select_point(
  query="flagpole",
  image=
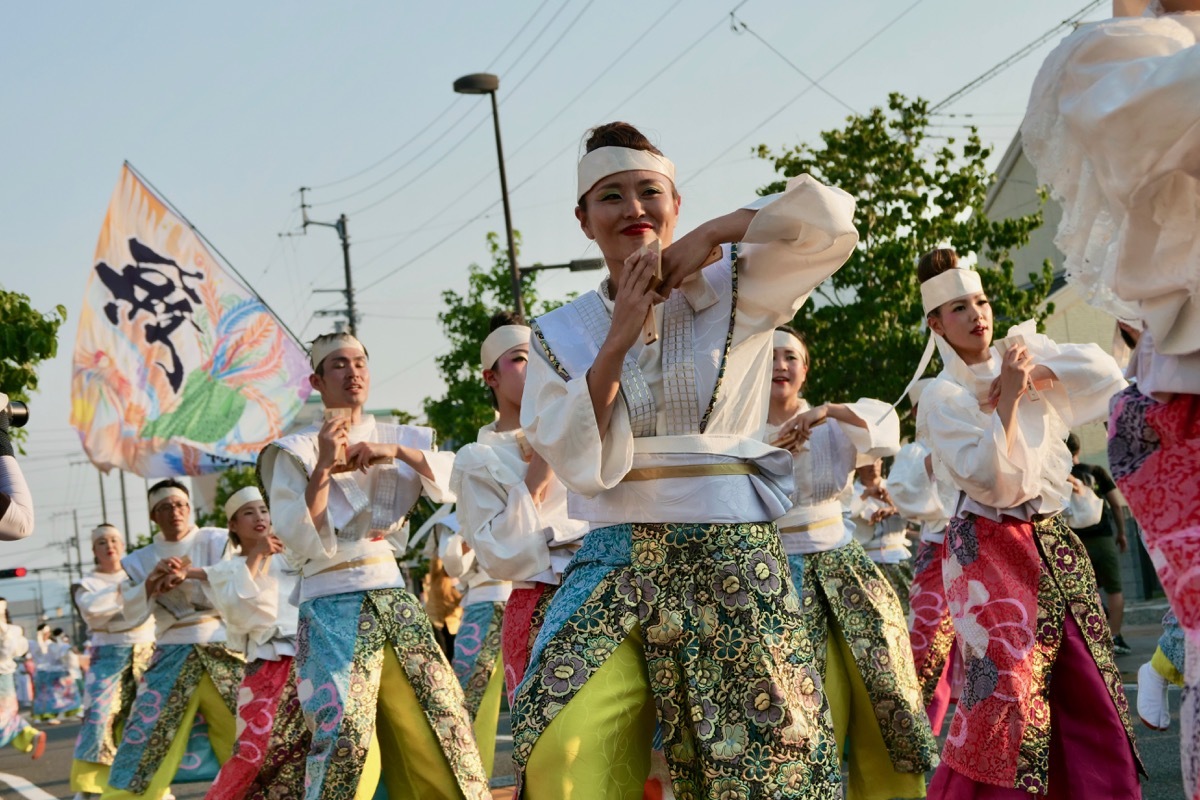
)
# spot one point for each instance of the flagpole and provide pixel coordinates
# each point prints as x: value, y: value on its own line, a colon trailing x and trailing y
x: 249, y: 287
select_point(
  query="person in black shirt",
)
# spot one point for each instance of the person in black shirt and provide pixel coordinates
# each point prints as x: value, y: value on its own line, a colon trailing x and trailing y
x: 1099, y: 542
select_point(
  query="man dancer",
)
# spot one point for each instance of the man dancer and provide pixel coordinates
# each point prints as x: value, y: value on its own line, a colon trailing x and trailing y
x: 191, y: 669
x: 367, y: 661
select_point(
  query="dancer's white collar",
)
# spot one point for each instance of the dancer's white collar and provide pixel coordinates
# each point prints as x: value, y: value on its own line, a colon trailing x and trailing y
x: 604, y: 161
x: 500, y: 341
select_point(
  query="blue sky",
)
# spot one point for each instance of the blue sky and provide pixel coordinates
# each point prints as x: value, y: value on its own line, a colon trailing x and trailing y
x: 229, y: 107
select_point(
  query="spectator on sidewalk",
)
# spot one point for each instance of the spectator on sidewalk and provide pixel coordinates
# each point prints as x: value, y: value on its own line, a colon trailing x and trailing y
x: 1099, y: 539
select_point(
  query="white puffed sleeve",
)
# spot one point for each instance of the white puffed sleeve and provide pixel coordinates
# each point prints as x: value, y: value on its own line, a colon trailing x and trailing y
x: 911, y: 486
x: 1087, y: 378
x: 286, y: 483
x: 13, y: 644
x: 17, y: 522
x: 499, y: 519
x: 456, y: 558
x: 1112, y: 126
x: 880, y: 437
x: 560, y: 424
x: 104, y: 606
x: 973, y: 448
x: 243, y: 604
x: 796, y: 240
x: 441, y: 464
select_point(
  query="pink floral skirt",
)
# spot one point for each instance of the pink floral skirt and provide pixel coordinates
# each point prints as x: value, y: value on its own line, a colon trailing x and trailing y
x: 931, y: 634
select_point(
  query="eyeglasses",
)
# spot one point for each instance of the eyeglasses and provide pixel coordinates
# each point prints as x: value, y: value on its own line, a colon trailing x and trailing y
x: 176, y: 506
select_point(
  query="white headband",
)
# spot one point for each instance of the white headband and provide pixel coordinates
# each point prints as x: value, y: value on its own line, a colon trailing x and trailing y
x: 326, y: 346
x: 604, y: 161
x: 100, y: 530
x: 248, y: 494
x: 500, y: 341
x: 788, y: 340
x: 166, y: 492
x: 949, y: 285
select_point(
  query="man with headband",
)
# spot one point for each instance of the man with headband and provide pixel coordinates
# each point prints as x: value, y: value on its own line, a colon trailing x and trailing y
x: 192, y: 670
x: 119, y: 650
x: 366, y: 658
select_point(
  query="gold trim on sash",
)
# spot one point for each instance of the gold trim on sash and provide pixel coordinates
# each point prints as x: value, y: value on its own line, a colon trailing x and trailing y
x: 811, y: 526
x: 354, y: 563
x: 691, y: 471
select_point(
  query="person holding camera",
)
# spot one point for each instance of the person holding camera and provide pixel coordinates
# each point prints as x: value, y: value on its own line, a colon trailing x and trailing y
x: 16, y: 503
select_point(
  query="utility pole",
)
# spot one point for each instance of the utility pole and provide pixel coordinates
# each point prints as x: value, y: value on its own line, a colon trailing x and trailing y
x: 125, y: 514
x: 103, y: 498
x: 78, y: 621
x: 341, y: 226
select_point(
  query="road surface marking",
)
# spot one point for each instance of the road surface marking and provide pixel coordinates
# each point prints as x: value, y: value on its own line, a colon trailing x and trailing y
x: 24, y: 787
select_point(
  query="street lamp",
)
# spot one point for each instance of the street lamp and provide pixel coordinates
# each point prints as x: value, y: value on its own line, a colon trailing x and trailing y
x: 577, y: 265
x: 486, y: 83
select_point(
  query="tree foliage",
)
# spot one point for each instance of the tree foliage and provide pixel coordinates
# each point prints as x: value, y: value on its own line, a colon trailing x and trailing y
x: 466, y: 405
x: 230, y: 481
x: 27, y: 338
x: 863, y: 325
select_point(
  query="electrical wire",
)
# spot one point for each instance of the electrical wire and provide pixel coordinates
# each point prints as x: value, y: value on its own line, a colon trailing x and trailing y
x: 1070, y: 21
x: 805, y: 91
x: 512, y: 40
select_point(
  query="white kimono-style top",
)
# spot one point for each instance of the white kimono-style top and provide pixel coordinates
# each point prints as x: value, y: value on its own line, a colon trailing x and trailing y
x: 365, y: 523
x: 698, y: 396
x: 1031, y: 480
x: 52, y: 656
x: 460, y: 563
x: 102, y: 604
x: 823, y: 470
x: 183, y: 615
x: 512, y: 537
x: 13, y: 645
x: 259, y: 614
x: 917, y: 495
x: 1112, y: 128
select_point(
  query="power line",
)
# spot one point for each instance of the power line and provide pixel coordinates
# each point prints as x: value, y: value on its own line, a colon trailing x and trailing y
x: 737, y: 22
x: 512, y: 40
x: 806, y: 90
x: 1069, y: 22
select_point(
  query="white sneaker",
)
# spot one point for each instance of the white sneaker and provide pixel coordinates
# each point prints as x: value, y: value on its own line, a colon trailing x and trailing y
x: 1152, y: 704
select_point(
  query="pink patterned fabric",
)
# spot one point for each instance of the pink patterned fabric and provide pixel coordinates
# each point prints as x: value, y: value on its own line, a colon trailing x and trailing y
x: 931, y: 633
x: 272, y: 741
x: 523, y: 617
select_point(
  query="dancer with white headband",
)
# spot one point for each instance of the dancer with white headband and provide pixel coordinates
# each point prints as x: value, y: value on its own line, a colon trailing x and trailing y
x: 192, y: 670
x: 373, y: 682
x: 14, y: 729
x: 1042, y: 711
x: 119, y: 650
x: 647, y: 398
x: 253, y: 592
x: 850, y: 612
x: 1111, y: 128
x: 921, y: 499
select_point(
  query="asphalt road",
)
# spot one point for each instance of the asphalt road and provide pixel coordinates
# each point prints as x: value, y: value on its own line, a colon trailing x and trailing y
x: 50, y: 775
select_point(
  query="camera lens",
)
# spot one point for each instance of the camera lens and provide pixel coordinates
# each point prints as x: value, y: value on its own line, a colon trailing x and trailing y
x: 18, y: 413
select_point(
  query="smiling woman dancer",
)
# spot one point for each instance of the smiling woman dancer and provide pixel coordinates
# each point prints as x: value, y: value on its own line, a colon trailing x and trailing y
x: 652, y: 414
x: 1042, y: 691
x: 850, y: 611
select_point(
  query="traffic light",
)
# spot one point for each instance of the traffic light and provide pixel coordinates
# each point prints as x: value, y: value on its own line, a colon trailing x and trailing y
x: 15, y: 572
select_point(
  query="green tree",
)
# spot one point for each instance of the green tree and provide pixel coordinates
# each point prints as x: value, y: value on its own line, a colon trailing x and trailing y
x: 863, y: 325
x: 466, y: 405
x: 231, y: 481
x: 27, y: 338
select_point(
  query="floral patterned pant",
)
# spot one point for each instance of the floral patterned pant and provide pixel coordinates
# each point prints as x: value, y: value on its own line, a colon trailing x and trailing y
x: 340, y: 666
x: 729, y: 668
x: 109, y: 690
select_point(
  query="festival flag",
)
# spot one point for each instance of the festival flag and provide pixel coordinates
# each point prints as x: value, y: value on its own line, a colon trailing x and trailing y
x: 179, y: 368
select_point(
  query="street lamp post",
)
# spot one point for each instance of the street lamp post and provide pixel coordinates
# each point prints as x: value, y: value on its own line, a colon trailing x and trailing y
x: 486, y: 83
